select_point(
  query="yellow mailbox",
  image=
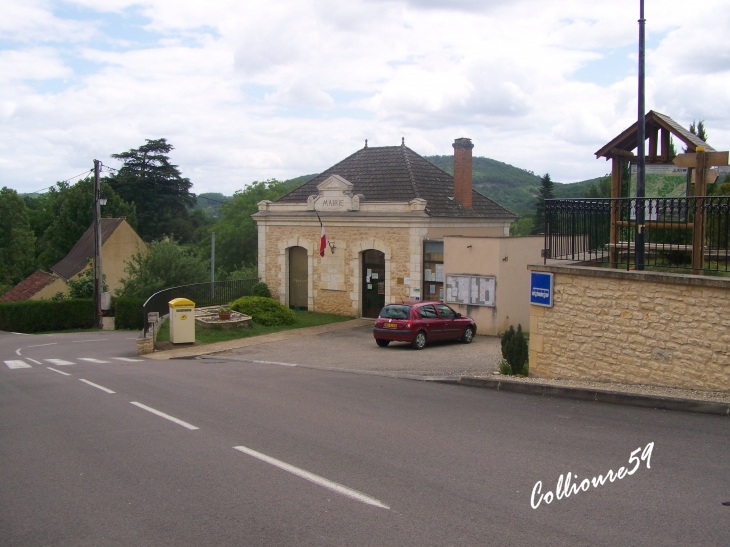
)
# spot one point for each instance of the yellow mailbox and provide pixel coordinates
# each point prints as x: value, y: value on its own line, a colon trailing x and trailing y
x: 182, y: 321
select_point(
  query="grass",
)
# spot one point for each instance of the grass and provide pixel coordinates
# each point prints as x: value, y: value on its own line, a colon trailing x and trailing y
x: 205, y: 334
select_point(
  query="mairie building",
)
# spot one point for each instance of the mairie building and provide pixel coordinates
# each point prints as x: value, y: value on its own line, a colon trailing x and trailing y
x: 386, y: 211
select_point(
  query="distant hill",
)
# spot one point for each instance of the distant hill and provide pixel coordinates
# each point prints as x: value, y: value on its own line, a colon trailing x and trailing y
x: 210, y: 203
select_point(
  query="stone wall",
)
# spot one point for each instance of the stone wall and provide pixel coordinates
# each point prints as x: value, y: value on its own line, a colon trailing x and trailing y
x: 633, y: 327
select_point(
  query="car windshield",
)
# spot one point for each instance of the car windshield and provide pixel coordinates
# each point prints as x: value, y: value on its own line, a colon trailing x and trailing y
x: 396, y: 311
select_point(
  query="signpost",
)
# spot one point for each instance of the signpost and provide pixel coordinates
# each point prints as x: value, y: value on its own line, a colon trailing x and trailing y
x: 541, y: 289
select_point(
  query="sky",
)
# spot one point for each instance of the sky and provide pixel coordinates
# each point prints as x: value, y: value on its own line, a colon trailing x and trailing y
x: 249, y: 90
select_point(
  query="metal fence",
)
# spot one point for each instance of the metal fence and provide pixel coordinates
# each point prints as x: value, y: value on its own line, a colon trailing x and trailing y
x: 603, y: 231
x: 203, y: 294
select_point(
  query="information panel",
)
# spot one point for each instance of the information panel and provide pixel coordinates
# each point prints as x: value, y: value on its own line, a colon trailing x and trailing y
x: 471, y: 290
x: 541, y: 289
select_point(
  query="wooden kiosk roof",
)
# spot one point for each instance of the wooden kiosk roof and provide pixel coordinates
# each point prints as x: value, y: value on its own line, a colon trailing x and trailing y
x: 624, y: 144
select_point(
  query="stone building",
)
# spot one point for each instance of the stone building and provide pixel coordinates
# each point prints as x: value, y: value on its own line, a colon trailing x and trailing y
x: 386, y: 211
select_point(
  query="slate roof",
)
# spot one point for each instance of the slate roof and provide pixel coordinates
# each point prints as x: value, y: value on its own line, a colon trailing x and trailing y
x: 28, y: 287
x: 627, y: 140
x: 397, y: 173
x: 78, y: 257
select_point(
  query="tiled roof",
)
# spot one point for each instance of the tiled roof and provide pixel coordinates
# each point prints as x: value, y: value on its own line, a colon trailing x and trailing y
x: 28, y: 287
x: 397, y: 173
x: 78, y: 257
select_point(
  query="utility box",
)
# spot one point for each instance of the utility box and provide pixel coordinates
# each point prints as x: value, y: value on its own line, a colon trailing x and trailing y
x: 182, y: 321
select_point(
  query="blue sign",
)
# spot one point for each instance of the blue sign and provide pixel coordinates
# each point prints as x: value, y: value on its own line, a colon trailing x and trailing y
x: 541, y: 289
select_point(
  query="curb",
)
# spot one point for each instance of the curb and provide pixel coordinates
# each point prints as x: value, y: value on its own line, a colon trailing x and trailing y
x: 601, y: 396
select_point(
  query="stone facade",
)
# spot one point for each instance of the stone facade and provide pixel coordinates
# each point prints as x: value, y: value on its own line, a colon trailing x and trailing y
x: 633, y: 327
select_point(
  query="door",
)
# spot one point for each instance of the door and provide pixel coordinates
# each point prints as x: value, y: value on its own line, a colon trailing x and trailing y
x: 373, y: 282
x: 298, y: 278
x: 432, y: 323
x: 451, y: 327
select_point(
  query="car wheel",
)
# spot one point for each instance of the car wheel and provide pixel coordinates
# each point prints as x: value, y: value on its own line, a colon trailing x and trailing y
x: 468, y: 335
x: 382, y: 343
x: 419, y: 342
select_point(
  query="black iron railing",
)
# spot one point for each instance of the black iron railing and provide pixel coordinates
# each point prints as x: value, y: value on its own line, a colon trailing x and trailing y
x: 203, y: 294
x: 603, y: 231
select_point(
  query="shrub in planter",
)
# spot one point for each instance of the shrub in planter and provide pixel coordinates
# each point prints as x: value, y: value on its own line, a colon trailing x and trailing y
x: 265, y: 311
x: 261, y: 289
x: 515, y: 351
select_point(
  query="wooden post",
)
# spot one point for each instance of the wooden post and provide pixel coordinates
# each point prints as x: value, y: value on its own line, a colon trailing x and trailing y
x: 665, y: 145
x: 698, y: 241
x: 615, y: 209
x: 653, y: 141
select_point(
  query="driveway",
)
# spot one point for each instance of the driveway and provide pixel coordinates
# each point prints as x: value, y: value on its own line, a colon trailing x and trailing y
x: 355, y: 349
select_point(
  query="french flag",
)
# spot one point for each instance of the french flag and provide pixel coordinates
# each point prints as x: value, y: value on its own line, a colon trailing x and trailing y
x: 322, y: 241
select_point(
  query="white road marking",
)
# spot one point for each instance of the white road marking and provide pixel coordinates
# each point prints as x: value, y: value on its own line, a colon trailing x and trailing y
x: 163, y: 415
x: 316, y: 479
x: 95, y: 340
x: 127, y: 359
x: 36, y: 362
x: 23, y: 333
x: 17, y: 364
x: 274, y: 363
x: 91, y: 360
x: 54, y: 370
x: 41, y: 345
x: 97, y: 386
x: 58, y: 362
x: 17, y: 351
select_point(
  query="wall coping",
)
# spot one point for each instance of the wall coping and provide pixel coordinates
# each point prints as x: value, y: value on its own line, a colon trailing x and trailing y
x: 656, y: 277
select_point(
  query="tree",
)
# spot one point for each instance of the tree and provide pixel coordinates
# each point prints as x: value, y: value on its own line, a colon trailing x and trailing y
x: 165, y: 265
x: 600, y: 190
x: 68, y: 211
x: 83, y: 286
x: 546, y: 192
x: 699, y: 130
x: 161, y: 194
x: 17, y: 241
x: 236, y: 237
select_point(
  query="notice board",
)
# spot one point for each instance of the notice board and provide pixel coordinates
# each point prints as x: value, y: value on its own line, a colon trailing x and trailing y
x: 471, y: 290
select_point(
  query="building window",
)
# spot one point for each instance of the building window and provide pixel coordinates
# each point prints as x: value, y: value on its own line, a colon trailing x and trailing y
x: 433, y: 270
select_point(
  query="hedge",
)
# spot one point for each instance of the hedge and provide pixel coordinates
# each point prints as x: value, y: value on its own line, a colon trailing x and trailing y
x: 46, y: 315
x: 128, y: 313
x: 265, y: 311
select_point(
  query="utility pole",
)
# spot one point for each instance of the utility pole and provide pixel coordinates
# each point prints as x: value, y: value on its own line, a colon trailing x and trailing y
x: 641, y: 149
x: 97, y: 247
x: 212, y: 266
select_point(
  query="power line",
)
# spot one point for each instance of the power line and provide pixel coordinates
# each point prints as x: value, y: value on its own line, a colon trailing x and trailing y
x: 61, y: 182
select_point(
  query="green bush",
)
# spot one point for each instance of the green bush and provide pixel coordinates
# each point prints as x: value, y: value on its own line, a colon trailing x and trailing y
x: 261, y: 289
x: 128, y: 313
x: 515, y: 351
x: 266, y: 311
x: 45, y: 315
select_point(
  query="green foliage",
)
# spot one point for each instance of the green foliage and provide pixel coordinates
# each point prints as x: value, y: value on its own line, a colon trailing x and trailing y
x: 600, y: 190
x: 166, y: 264
x: 46, y: 315
x: 83, y: 287
x: 17, y: 240
x: 522, y: 226
x: 242, y: 272
x: 62, y: 215
x: 546, y: 192
x: 261, y: 289
x: 515, y: 350
x: 504, y: 368
x: 128, y: 313
x: 265, y: 311
x: 162, y: 196
x: 210, y: 203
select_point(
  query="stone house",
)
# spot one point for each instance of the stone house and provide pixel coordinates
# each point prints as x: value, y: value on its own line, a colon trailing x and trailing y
x: 386, y: 211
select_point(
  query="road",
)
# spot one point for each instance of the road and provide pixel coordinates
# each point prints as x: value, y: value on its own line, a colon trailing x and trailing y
x: 213, y: 452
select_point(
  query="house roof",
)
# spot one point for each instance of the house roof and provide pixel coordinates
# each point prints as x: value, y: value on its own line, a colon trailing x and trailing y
x: 397, y: 173
x: 30, y: 286
x: 628, y: 139
x: 77, y: 259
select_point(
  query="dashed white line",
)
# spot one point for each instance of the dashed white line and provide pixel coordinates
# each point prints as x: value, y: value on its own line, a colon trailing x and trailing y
x: 95, y: 340
x: 33, y: 360
x: 41, y: 345
x: 316, y: 479
x: 60, y: 372
x: 127, y: 359
x: 23, y: 333
x: 17, y: 364
x: 91, y: 360
x: 97, y: 386
x: 275, y: 363
x: 58, y: 362
x: 163, y: 415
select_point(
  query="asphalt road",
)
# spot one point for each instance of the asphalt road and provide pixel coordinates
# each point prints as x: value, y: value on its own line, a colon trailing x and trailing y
x: 414, y: 463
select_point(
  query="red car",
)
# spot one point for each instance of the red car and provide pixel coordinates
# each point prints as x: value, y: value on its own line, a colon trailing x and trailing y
x: 419, y: 322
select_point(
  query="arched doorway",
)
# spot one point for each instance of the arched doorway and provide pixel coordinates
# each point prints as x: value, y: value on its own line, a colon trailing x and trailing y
x: 373, y: 282
x: 298, y: 278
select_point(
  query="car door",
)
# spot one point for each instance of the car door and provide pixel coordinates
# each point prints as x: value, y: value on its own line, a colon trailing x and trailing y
x: 431, y: 322
x: 451, y: 327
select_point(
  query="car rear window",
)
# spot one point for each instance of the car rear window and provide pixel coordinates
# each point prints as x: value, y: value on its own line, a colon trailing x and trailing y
x: 396, y: 311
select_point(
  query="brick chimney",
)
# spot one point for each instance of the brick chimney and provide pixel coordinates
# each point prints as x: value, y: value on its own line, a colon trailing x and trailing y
x: 462, y: 171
